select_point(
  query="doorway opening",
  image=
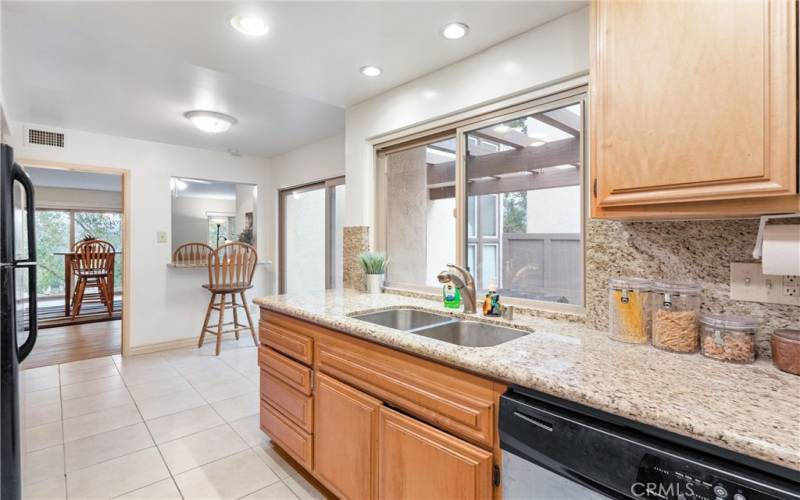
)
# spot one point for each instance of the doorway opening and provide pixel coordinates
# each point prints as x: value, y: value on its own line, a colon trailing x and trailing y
x: 311, y: 236
x: 82, y: 263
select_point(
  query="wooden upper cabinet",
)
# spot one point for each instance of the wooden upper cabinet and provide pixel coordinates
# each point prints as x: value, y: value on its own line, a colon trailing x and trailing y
x: 346, y: 428
x: 417, y: 461
x: 693, y: 102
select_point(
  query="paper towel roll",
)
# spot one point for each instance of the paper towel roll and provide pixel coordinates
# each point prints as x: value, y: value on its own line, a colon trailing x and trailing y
x: 780, y: 254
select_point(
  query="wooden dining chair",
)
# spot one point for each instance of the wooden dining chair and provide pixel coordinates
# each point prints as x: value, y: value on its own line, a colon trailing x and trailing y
x: 230, y: 273
x: 192, y: 255
x: 93, y: 266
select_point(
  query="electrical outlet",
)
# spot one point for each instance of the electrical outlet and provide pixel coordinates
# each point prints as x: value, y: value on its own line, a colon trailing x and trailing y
x: 748, y: 283
x: 161, y: 236
x: 791, y: 286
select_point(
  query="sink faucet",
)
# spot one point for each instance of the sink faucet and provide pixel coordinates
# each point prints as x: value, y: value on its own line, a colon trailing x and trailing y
x: 464, y: 282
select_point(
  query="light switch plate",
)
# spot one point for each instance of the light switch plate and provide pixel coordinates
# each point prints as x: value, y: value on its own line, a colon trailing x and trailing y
x: 161, y: 236
x: 749, y: 284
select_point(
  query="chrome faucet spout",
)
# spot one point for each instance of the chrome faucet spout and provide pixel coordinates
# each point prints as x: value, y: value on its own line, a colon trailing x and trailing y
x: 464, y: 281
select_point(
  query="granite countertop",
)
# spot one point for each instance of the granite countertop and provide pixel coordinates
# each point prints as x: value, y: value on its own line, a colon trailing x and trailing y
x: 751, y: 409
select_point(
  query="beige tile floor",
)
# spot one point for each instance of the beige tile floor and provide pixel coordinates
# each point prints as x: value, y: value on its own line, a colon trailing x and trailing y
x: 168, y: 425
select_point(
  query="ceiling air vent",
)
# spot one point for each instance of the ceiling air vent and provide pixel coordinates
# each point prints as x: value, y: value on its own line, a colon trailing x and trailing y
x: 45, y: 138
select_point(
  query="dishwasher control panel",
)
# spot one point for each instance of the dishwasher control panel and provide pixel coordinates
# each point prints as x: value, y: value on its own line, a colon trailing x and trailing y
x: 659, y: 477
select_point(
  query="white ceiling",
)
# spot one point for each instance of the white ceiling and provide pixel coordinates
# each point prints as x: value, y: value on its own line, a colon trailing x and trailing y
x: 133, y: 68
x: 57, y: 178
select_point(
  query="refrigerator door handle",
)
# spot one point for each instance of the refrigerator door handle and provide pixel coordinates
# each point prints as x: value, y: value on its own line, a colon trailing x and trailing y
x: 27, y: 346
x: 20, y: 175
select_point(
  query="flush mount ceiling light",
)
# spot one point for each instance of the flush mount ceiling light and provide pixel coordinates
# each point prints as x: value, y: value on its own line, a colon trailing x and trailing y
x: 249, y: 25
x: 454, y: 31
x: 210, y: 122
x: 502, y: 128
x: 370, y: 70
x: 537, y: 143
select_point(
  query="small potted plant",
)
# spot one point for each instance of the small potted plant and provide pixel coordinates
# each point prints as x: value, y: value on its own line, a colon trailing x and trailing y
x: 374, y: 266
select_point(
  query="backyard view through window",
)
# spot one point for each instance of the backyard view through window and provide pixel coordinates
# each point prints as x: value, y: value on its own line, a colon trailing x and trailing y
x: 58, y: 230
x: 521, y: 182
x: 524, y: 206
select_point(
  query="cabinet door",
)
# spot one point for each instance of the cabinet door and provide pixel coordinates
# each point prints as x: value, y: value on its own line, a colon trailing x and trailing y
x: 417, y: 461
x: 345, y: 430
x: 693, y: 101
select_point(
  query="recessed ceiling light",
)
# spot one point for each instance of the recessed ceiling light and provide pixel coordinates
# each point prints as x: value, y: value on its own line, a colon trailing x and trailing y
x: 210, y: 121
x: 370, y: 71
x: 502, y: 128
x: 249, y: 25
x: 454, y: 31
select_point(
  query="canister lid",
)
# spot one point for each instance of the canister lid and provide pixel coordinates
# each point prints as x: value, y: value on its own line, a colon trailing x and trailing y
x: 787, y: 334
x: 639, y: 284
x: 730, y: 322
x: 678, y: 287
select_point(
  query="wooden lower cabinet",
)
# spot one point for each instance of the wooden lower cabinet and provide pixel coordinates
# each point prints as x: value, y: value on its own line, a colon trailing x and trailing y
x: 417, y: 461
x: 369, y: 422
x: 345, y: 426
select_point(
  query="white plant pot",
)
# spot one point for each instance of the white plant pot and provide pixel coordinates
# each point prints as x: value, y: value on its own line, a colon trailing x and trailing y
x: 374, y: 283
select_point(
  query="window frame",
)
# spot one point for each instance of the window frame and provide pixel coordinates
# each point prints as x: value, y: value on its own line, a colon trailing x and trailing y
x: 579, y: 94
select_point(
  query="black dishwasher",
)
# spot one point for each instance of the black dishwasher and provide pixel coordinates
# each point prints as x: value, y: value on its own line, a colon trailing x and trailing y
x: 558, y: 450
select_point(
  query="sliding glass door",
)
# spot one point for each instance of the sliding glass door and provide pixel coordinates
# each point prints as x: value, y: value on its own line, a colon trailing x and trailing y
x: 311, y: 236
x: 58, y: 230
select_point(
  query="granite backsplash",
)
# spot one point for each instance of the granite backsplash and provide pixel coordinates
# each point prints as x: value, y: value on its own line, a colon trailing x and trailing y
x: 683, y: 250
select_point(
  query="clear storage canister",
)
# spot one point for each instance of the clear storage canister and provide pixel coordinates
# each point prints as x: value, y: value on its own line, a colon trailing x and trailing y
x: 628, y: 318
x: 675, y: 307
x: 728, y: 338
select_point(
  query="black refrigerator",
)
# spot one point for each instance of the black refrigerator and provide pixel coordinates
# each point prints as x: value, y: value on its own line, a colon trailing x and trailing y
x: 17, y: 310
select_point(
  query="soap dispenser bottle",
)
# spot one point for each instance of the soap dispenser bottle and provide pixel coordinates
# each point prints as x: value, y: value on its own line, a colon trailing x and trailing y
x: 451, y: 295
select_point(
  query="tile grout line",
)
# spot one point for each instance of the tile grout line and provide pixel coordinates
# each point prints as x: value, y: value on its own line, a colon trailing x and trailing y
x: 149, y: 433
x: 249, y: 447
x: 63, y: 444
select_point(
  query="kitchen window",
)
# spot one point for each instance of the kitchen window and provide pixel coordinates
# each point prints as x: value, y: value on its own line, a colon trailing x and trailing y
x: 502, y: 194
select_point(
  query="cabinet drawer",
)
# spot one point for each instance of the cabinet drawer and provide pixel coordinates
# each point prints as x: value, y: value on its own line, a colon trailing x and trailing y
x: 289, y: 342
x: 297, y: 376
x: 289, y: 437
x: 294, y: 405
x: 450, y: 399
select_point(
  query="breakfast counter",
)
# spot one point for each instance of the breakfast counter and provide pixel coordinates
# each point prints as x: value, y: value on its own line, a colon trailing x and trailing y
x: 751, y: 409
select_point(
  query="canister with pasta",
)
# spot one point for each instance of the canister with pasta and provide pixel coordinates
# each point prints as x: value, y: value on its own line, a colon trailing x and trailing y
x: 675, y: 310
x: 728, y: 338
x: 628, y: 318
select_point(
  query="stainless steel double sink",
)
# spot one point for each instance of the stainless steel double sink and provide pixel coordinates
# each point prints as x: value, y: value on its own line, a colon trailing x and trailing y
x: 442, y: 327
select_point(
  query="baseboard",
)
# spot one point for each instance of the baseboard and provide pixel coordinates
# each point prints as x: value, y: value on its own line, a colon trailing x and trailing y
x: 162, y: 346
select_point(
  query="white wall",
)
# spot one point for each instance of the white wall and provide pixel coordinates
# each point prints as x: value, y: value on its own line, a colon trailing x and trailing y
x: 552, y: 52
x: 190, y: 218
x: 166, y: 304
x: 87, y: 199
x: 318, y: 161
